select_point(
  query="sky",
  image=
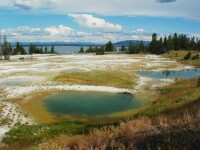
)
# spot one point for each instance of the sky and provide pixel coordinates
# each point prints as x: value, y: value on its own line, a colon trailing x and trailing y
x: 97, y: 21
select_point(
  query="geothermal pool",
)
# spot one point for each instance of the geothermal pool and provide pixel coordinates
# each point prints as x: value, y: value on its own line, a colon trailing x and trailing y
x: 184, y: 73
x: 80, y: 106
x: 91, y: 104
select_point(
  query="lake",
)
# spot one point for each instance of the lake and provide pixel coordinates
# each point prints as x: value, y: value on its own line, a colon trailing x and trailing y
x: 65, y: 49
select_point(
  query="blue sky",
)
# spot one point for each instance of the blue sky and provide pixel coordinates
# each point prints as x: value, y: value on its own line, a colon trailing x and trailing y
x: 97, y: 21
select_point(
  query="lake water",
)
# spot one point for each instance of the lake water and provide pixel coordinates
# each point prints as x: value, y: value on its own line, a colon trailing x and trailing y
x: 90, y: 104
x: 65, y: 49
x: 185, y: 73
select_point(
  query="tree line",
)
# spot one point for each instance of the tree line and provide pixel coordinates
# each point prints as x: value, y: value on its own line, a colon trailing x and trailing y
x: 173, y: 42
x: 6, y: 49
x: 33, y: 49
x: 156, y: 46
x: 108, y: 47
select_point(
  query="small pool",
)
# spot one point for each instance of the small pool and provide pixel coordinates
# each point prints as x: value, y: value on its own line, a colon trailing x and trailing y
x: 81, y: 105
x: 184, y: 73
x: 90, y: 107
x: 13, y: 82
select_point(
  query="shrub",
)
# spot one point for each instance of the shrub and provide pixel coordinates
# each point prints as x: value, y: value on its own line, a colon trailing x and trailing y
x: 187, y: 56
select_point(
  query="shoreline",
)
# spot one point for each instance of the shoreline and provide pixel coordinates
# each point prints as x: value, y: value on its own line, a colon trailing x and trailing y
x: 14, y: 92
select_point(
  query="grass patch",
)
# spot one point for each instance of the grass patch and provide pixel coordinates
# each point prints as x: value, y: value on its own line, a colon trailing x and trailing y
x: 29, y: 135
x: 172, y: 97
x: 179, y: 56
x: 99, y: 78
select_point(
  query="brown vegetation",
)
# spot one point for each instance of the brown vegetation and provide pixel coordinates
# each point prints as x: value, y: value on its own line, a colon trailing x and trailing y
x: 173, y: 130
x: 173, y: 123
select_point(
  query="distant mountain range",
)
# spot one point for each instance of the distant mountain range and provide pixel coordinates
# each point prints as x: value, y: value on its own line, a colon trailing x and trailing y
x: 126, y: 43
x: 58, y: 43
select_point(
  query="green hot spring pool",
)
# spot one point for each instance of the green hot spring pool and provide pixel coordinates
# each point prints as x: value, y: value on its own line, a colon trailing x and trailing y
x: 80, y: 105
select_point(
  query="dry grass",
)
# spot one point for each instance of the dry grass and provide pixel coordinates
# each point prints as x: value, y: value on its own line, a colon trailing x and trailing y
x: 117, y: 79
x: 129, y: 135
x: 179, y: 56
x: 174, y: 125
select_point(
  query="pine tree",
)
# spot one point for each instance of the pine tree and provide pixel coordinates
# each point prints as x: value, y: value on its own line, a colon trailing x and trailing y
x: 153, y: 44
x: 141, y: 46
x: 160, y: 48
x: 123, y: 48
x: 23, y: 51
x: 90, y: 50
x: 165, y: 45
x: 6, y: 48
x: 198, y: 45
x: 99, y: 51
x: 131, y: 49
x: 184, y: 42
x: 176, y: 42
x: 53, y: 50
x: 81, y: 50
x: 46, y: 50
x: 192, y: 44
x: 41, y: 50
x: 170, y: 43
x: 32, y: 49
x: 10, y: 49
x: 109, y: 47
x: 17, y: 50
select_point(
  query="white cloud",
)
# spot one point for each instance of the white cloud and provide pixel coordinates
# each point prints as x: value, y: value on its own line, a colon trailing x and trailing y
x: 96, y: 23
x: 47, y: 34
x: 140, y: 30
x: 63, y: 33
x: 59, y: 30
x: 23, y: 30
x: 67, y: 34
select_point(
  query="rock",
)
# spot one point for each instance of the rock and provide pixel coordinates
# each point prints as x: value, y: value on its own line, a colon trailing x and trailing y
x: 125, y: 93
